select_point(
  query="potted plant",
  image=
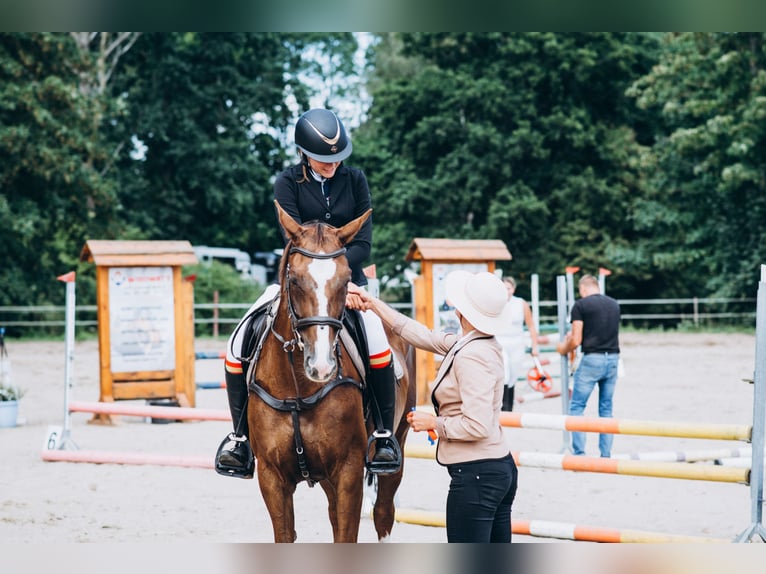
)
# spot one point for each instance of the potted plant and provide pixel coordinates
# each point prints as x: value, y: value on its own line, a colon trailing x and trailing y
x: 9, y: 405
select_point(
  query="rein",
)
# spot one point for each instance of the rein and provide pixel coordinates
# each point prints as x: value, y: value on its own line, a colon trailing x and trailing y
x: 298, y: 403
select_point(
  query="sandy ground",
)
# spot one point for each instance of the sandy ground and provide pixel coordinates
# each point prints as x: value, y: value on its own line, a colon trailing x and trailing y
x: 695, y: 378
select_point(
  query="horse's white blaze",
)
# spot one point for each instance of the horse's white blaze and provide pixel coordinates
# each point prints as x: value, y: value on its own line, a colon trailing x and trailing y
x: 322, y: 271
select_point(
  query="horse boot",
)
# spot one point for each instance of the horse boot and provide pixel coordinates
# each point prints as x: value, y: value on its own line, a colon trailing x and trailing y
x: 234, y: 456
x: 388, y: 455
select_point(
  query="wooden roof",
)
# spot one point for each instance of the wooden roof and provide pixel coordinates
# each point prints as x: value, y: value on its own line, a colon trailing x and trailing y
x: 457, y: 250
x: 138, y: 253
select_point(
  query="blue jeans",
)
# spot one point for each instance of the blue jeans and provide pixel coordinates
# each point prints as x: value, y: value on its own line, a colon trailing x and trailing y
x: 479, y: 501
x: 595, y: 369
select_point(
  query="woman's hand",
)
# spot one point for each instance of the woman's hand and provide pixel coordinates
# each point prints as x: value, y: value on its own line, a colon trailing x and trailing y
x: 420, y: 421
x: 357, y: 298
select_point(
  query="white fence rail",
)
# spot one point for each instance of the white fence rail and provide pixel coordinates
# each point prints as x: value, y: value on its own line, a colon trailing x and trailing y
x: 646, y: 312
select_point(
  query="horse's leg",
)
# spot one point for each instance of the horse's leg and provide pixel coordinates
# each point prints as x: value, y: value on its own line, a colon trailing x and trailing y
x: 383, y: 511
x: 332, y: 505
x: 278, y: 495
x: 344, y: 497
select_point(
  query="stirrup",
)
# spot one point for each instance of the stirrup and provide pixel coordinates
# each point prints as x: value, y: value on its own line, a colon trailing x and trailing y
x: 246, y: 471
x: 383, y: 467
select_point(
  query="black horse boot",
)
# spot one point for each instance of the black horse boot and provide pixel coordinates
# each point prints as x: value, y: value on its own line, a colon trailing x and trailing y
x: 388, y: 456
x: 234, y: 456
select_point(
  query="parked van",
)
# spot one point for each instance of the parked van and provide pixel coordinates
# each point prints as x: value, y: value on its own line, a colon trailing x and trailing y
x: 237, y: 258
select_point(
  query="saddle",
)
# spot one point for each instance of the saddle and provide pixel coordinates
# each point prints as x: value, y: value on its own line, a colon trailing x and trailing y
x: 353, y: 336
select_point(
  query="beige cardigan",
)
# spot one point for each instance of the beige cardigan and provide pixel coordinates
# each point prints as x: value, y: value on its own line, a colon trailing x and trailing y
x: 467, y: 390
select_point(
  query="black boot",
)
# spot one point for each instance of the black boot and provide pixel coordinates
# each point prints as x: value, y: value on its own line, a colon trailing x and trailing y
x: 234, y: 456
x: 388, y: 455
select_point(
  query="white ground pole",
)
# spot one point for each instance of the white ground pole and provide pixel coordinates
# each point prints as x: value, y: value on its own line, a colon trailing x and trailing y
x: 535, y: 289
x: 59, y: 438
x: 561, y: 300
x: 759, y: 413
x: 602, y: 283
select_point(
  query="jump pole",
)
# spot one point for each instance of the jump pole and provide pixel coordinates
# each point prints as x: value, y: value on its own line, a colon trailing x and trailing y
x: 759, y: 405
x: 173, y: 413
x: 560, y: 530
x: 573, y: 423
x: 679, y: 470
x: 132, y: 458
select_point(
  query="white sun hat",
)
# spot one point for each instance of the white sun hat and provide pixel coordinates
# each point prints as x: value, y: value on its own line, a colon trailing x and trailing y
x: 481, y: 298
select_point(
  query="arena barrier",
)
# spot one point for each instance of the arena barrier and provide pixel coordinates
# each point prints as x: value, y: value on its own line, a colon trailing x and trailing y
x: 559, y: 530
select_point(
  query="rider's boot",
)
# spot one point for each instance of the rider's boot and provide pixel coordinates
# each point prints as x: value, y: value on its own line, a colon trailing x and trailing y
x: 234, y: 456
x: 388, y: 456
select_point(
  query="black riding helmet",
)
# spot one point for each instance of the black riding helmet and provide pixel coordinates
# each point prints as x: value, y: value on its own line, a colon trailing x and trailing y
x: 320, y: 135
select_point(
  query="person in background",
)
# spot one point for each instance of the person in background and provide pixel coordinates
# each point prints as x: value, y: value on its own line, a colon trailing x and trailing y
x: 596, y: 328
x: 319, y: 188
x: 514, y: 343
x: 466, y: 394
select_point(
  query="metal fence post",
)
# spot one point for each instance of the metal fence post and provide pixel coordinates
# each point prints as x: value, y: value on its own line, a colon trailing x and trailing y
x: 561, y: 298
x: 759, y: 412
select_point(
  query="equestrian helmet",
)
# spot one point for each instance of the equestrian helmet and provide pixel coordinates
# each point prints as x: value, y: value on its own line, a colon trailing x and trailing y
x: 321, y: 136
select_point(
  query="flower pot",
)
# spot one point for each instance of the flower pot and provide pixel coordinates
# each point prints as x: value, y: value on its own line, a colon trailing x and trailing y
x: 9, y: 411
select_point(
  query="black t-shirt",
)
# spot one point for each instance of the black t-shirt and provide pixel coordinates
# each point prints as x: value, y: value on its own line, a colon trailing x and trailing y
x: 600, y: 315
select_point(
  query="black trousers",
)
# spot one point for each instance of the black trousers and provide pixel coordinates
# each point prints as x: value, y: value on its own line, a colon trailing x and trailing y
x: 479, y: 501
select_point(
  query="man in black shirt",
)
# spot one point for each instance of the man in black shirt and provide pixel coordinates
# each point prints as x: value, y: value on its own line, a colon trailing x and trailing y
x: 595, y: 327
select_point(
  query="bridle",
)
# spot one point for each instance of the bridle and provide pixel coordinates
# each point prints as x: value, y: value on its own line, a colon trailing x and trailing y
x: 296, y: 323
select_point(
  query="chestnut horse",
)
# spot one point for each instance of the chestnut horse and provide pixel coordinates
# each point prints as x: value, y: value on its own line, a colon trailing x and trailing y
x: 306, y: 409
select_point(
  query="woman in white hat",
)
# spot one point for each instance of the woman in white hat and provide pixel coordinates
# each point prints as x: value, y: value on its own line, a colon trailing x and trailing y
x: 467, y: 395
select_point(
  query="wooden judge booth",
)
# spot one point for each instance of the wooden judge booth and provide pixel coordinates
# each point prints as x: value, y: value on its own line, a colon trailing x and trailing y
x: 145, y: 320
x: 437, y: 258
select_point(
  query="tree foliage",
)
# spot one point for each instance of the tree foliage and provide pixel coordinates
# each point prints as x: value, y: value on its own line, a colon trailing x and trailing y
x: 703, y: 220
x: 528, y: 138
x: 640, y: 153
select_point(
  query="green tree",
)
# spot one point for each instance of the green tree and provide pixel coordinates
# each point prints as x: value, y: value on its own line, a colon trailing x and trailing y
x: 207, y: 115
x: 702, y: 223
x: 51, y: 194
x: 528, y: 138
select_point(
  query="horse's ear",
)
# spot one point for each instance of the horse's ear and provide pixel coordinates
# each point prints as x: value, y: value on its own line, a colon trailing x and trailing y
x: 348, y: 231
x: 291, y: 227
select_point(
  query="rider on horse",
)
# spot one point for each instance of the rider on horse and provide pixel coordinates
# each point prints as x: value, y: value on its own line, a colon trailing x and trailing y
x: 319, y: 188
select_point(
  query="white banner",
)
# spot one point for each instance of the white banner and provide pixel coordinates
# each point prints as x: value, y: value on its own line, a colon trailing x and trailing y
x: 141, y: 317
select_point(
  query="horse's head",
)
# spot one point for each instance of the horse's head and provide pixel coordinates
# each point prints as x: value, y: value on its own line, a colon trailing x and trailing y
x: 314, y: 274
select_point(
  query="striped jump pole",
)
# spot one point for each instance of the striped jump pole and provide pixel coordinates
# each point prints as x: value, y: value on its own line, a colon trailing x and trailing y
x: 577, y: 463
x: 560, y: 530
x: 173, y: 413
x: 627, y: 427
